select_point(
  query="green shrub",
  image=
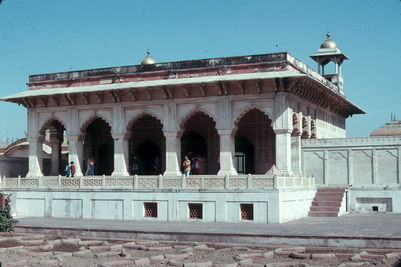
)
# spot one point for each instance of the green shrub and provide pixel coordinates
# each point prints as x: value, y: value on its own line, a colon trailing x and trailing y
x: 7, y: 222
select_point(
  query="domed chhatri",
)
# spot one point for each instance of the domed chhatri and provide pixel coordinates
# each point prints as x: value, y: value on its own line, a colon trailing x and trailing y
x: 328, y: 43
x: 148, y: 60
x: 329, y: 52
x: 391, y: 128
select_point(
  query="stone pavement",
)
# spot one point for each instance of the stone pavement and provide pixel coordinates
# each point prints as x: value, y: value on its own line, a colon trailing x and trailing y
x: 353, y: 230
x: 17, y: 250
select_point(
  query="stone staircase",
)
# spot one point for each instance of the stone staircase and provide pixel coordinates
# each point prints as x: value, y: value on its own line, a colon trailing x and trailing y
x: 327, y: 202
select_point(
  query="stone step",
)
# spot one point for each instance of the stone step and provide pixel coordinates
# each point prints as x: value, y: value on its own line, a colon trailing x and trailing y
x: 325, y: 208
x: 331, y: 190
x: 329, y: 194
x: 328, y: 199
x: 326, y: 203
x: 323, y: 214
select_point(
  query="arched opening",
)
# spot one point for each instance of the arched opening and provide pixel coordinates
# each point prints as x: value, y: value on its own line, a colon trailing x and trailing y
x: 55, y: 155
x: 148, y: 158
x: 244, y: 156
x: 255, y: 144
x: 146, y: 146
x: 99, y: 145
x: 200, y: 142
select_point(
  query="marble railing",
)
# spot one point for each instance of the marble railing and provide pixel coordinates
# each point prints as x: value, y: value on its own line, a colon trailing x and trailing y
x: 160, y: 182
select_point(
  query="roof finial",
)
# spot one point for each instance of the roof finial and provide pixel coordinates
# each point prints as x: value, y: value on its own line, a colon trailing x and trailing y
x: 148, y: 60
x: 328, y: 34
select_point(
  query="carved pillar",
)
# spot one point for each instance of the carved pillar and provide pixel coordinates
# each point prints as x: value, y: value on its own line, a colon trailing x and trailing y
x: 75, y: 147
x: 173, y: 146
x: 227, y: 148
x: 296, y: 156
x: 283, y: 152
x: 283, y: 128
x: 35, y: 160
x: 120, y: 156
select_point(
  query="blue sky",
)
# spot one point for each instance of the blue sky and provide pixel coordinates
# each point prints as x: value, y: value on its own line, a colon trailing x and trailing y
x: 44, y: 36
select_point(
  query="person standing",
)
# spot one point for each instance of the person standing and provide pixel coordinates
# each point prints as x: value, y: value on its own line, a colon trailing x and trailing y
x: 186, y: 164
x: 67, y: 170
x: 90, y: 170
x: 72, y: 168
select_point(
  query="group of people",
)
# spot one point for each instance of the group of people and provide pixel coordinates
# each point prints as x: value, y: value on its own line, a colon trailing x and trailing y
x: 90, y: 169
x: 70, y: 169
x: 193, y: 164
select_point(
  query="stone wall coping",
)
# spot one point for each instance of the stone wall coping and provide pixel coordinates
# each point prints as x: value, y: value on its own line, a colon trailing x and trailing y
x: 351, y: 142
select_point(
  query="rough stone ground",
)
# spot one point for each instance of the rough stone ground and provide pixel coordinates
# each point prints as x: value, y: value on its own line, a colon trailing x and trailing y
x: 41, y: 250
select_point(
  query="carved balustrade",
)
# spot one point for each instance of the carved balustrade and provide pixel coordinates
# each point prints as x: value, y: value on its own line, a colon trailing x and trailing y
x: 153, y: 182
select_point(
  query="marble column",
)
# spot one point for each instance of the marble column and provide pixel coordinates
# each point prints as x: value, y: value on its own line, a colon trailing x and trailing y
x: 227, y: 150
x: 35, y: 159
x: 283, y: 151
x: 173, y: 145
x: 120, y: 156
x: 75, y: 148
x: 296, y: 165
x: 55, y: 156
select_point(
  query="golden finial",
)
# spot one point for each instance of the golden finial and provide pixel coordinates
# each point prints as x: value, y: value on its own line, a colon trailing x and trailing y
x: 148, y: 60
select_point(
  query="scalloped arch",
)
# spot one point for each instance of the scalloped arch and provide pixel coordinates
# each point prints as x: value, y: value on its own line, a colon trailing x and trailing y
x: 184, y: 118
x: 143, y: 114
x: 49, y: 121
x: 248, y: 109
x: 91, y: 119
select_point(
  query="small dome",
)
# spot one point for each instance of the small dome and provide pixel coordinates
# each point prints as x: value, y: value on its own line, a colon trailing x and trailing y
x: 328, y: 43
x: 392, y: 128
x: 148, y: 60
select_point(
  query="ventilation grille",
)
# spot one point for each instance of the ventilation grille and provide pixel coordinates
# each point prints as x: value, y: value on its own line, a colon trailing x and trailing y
x: 247, y: 212
x: 195, y: 211
x: 150, y: 209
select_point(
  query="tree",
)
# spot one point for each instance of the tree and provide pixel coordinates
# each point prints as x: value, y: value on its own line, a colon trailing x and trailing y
x: 7, y: 222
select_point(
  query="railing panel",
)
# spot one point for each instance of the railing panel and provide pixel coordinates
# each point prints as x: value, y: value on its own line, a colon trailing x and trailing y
x: 10, y: 182
x: 126, y: 182
x: 147, y: 182
x: 172, y: 182
x: 214, y: 182
x: 194, y: 182
x: 238, y: 183
x: 92, y: 182
x: 70, y: 182
x: 262, y: 183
